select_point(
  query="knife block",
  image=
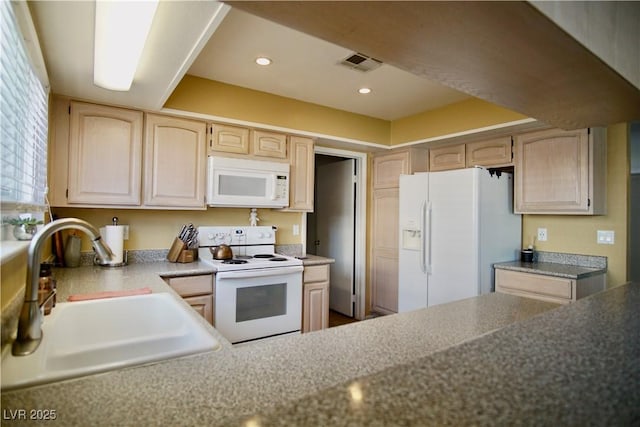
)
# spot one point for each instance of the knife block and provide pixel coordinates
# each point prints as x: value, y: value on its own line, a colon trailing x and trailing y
x: 188, y: 255
x: 176, y: 249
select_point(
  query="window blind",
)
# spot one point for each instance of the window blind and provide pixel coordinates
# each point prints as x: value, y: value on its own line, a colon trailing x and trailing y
x: 23, y: 121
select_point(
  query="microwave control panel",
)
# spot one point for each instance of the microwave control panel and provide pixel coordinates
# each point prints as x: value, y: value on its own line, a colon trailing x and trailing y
x: 282, y: 187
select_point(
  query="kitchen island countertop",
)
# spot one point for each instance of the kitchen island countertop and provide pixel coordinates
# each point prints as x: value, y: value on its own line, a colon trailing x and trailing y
x: 389, y: 361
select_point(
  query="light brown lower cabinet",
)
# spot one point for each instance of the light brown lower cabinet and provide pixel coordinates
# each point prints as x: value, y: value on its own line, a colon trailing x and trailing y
x: 548, y: 288
x: 315, y: 298
x: 197, y: 291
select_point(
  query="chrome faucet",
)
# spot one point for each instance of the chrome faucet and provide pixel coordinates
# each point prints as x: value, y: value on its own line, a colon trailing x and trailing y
x: 30, y: 321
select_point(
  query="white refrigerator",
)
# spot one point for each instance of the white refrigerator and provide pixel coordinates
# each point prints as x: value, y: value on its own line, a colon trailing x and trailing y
x: 453, y: 226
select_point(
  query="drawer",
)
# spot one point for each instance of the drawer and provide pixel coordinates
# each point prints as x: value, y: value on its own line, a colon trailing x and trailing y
x: 191, y: 285
x: 316, y: 273
x: 534, y: 283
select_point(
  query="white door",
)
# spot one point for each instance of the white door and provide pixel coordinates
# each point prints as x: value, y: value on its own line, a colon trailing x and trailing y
x: 335, y: 216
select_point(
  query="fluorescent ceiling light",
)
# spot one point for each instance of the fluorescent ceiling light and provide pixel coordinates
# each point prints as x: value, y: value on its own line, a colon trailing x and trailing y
x: 121, y: 30
x: 263, y: 60
x: 364, y: 90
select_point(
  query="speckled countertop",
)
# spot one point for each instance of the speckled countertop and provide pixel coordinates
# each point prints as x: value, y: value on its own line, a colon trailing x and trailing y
x: 227, y: 386
x: 577, y: 365
x: 309, y: 259
x: 559, y: 264
x: 551, y: 269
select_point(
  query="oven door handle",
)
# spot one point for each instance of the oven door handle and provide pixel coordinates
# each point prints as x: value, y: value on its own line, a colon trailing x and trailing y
x: 259, y: 272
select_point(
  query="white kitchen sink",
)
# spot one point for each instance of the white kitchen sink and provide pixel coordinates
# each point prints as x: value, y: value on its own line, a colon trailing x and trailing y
x: 86, y: 337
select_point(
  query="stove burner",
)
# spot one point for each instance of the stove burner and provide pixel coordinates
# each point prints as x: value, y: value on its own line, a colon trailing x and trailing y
x: 277, y: 259
x: 264, y: 256
x: 241, y: 257
x: 235, y: 261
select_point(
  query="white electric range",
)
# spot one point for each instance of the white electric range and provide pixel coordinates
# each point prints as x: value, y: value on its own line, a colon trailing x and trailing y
x: 258, y: 293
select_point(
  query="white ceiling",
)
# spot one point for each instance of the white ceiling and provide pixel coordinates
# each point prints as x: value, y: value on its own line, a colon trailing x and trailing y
x: 308, y: 69
x: 303, y: 68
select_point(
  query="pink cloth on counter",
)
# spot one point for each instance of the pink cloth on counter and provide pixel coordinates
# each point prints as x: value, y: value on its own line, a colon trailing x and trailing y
x: 109, y: 294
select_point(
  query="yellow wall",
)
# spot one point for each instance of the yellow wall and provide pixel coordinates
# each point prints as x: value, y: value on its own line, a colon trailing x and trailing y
x: 462, y: 116
x: 156, y: 229
x: 204, y: 96
x: 577, y: 234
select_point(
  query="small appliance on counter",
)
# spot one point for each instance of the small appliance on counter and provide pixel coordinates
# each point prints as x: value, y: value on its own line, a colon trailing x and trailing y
x: 185, y: 246
x: 526, y: 255
x: 113, y: 236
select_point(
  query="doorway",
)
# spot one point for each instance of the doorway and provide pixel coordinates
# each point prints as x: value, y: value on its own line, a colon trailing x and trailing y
x: 336, y: 228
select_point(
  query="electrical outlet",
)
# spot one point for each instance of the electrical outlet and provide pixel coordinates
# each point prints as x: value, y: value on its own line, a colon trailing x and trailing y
x: 606, y: 237
x: 125, y: 232
x: 296, y: 229
x: 542, y: 234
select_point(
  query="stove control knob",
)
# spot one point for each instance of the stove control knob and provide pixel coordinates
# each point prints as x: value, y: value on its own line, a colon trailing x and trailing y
x: 261, y: 235
x: 268, y: 235
x: 210, y: 236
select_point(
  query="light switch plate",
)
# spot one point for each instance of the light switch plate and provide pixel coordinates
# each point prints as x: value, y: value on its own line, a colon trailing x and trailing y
x: 606, y: 237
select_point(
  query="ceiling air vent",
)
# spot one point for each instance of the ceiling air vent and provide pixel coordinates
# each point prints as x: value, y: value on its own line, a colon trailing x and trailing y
x: 360, y: 62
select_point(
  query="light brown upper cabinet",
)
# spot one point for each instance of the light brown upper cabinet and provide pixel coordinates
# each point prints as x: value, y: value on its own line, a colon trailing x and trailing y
x: 229, y: 139
x: 174, y: 162
x: 447, y: 157
x: 98, y: 158
x: 561, y: 172
x: 388, y: 166
x: 493, y: 152
x: 301, y: 174
x: 268, y: 144
x: 105, y: 155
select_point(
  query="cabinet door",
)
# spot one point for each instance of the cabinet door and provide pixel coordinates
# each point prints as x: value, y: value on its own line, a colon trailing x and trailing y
x: 203, y: 305
x: 384, y: 282
x: 302, y: 163
x: 447, y: 158
x: 387, y: 169
x: 385, y: 219
x: 268, y: 144
x: 229, y: 139
x: 494, y: 152
x: 552, y: 172
x: 174, y: 162
x: 384, y: 275
x: 315, y: 306
x: 105, y: 155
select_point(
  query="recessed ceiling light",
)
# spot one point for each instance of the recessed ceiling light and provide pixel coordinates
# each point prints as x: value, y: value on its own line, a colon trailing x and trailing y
x: 364, y: 90
x: 263, y: 60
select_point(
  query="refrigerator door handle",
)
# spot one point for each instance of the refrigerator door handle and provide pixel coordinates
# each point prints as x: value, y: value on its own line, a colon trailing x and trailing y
x: 429, y: 238
x: 426, y: 240
x: 423, y: 246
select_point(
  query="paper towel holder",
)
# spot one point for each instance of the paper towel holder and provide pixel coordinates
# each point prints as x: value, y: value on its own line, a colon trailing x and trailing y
x: 125, y: 254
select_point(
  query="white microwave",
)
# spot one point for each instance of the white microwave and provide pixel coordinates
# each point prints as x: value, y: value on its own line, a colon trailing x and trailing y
x: 235, y: 182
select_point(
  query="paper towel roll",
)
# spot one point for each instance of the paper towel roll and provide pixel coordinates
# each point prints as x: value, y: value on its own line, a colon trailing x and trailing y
x: 113, y: 236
